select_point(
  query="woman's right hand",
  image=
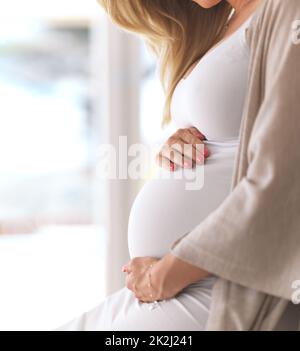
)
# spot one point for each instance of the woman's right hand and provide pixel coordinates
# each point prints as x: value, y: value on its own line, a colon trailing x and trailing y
x: 184, y: 149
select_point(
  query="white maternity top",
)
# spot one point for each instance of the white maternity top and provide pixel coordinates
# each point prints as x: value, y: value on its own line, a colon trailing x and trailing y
x: 211, y: 98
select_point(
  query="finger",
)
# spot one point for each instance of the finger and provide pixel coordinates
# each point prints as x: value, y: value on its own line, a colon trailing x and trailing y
x: 187, y: 153
x: 200, y: 148
x: 129, y: 282
x: 189, y: 146
x: 197, y: 133
x: 189, y: 138
x: 190, y: 153
x: 135, y: 264
x: 180, y: 150
x: 143, y: 299
x: 200, y: 153
x: 165, y: 163
x: 184, y: 154
x: 129, y: 266
x: 174, y: 153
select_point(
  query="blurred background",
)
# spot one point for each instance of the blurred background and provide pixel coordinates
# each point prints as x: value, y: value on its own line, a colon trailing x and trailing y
x: 69, y: 82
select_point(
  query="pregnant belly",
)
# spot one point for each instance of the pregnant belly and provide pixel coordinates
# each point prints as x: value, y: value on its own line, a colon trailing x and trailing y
x: 169, y: 205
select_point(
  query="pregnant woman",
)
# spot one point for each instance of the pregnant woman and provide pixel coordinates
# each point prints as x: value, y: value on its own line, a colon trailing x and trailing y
x: 208, y: 70
x: 208, y: 96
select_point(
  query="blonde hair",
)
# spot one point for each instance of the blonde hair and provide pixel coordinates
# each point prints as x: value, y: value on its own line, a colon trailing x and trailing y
x: 179, y: 32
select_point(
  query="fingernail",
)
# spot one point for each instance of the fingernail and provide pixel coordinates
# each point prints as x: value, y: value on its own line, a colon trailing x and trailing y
x: 203, y: 137
x: 206, y: 151
x: 172, y: 167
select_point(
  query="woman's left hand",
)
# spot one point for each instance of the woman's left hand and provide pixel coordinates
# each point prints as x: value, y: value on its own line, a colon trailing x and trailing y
x: 169, y: 275
x: 137, y: 278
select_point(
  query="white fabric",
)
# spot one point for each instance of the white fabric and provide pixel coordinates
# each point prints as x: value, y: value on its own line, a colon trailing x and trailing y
x: 122, y: 311
x: 211, y: 98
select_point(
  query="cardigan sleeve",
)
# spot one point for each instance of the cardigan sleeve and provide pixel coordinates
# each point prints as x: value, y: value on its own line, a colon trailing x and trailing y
x: 253, y: 237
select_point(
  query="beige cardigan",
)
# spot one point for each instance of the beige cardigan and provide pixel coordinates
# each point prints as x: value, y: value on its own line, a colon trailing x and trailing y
x: 252, y: 240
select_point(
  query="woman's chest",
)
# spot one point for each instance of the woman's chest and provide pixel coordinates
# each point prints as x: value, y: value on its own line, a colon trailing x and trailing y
x: 212, y: 97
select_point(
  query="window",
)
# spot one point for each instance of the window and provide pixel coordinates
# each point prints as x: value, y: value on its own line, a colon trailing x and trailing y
x: 46, y: 133
x: 51, y: 208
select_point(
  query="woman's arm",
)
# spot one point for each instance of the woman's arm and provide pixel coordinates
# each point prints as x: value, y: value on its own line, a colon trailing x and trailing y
x: 170, y: 275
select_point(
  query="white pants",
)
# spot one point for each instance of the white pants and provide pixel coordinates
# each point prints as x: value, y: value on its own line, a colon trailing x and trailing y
x: 121, y: 311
